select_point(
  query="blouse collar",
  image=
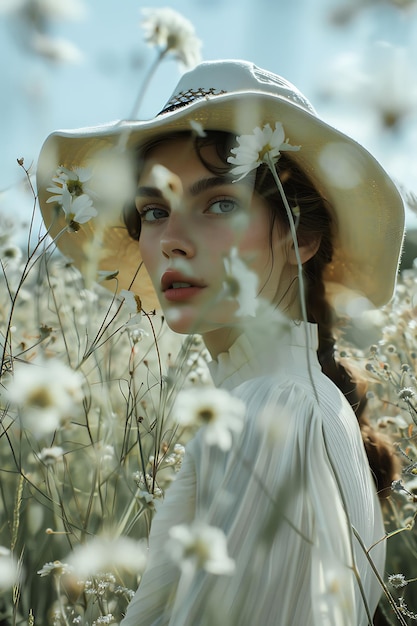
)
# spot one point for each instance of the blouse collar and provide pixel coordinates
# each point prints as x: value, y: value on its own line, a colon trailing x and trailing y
x: 252, y: 356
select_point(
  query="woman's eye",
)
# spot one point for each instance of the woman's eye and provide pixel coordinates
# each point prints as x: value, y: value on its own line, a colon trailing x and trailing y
x: 220, y: 207
x: 152, y: 214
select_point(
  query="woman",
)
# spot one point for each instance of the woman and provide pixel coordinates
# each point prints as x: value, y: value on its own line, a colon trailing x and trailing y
x: 316, y: 222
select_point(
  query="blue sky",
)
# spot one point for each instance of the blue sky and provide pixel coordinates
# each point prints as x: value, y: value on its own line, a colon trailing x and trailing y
x: 295, y: 38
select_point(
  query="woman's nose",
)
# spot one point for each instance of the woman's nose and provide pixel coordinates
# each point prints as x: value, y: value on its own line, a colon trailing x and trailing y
x: 176, y: 240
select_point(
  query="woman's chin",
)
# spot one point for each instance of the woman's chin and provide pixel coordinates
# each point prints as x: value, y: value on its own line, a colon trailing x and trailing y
x: 182, y: 320
x: 187, y: 319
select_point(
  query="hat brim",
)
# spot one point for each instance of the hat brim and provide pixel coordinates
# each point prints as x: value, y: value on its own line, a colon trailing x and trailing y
x: 368, y: 209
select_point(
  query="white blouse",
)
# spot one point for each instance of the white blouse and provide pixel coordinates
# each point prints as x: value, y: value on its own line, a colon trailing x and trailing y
x: 286, y: 498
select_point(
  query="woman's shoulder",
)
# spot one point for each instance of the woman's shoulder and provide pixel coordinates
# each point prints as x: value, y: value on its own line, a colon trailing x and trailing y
x: 309, y: 389
x: 306, y: 400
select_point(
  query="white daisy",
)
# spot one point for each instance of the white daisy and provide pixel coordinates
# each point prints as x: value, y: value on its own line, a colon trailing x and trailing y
x: 46, y: 393
x: 78, y: 210
x: 69, y: 192
x: 215, y: 409
x: 56, y: 568
x: 263, y: 146
x: 201, y: 546
x: 172, y: 32
x: 73, y: 180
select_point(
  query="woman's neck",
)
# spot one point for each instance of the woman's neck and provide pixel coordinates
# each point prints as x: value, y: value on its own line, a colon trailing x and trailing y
x: 221, y: 339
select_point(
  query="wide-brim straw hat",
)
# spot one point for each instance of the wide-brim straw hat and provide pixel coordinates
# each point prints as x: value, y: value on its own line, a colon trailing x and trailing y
x: 237, y: 96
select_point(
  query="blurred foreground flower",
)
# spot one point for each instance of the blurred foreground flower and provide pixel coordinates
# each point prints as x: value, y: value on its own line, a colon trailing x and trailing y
x: 200, y: 546
x: 219, y: 412
x: 241, y: 284
x: 275, y: 424
x: 392, y: 89
x: 173, y: 33
x: 42, y: 10
x: 103, y: 554
x: 382, y: 84
x: 334, y: 589
x: 343, y: 12
x: 33, y: 21
x: 263, y: 146
x: 8, y: 569
x: 168, y: 183
x: 47, y: 393
x: 50, y: 456
x: 55, y: 49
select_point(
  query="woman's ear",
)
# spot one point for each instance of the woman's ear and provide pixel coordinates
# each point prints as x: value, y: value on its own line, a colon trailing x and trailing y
x: 307, y: 250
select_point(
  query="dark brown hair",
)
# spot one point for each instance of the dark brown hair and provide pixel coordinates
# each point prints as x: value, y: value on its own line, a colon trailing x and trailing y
x: 313, y: 216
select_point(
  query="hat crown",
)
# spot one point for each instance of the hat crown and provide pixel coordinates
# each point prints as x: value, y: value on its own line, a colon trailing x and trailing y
x: 214, y: 78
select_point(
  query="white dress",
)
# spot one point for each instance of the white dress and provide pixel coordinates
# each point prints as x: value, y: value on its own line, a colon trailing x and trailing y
x: 277, y: 496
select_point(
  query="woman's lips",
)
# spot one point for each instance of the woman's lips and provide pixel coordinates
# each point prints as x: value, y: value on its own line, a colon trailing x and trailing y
x: 177, y: 287
x: 181, y: 294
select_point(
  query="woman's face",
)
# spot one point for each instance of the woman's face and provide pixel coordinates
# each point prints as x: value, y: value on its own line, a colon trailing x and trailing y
x: 191, y: 221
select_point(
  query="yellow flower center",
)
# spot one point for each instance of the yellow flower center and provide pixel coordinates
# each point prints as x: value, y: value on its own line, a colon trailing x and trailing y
x: 41, y: 398
x: 75, y: 187
x: 264, y: 151
x: 172, y: 41
x: 206, y: 414
x: 198, y: 550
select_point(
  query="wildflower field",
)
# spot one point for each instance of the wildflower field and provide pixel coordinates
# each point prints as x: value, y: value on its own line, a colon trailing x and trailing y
x: 90, y: 442
x: 93, y: 429
x: 88, y: 445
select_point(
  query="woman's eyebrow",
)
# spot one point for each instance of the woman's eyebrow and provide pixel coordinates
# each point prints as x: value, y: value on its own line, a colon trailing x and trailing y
x: 205, y: 184
x: 195, y: 189
x: 149, y: 192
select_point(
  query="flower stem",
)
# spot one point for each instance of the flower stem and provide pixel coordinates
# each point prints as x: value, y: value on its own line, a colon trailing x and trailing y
x: 125, y: 134
x: 57, y: 580
x: 139, y: 98
x: 268, y: 160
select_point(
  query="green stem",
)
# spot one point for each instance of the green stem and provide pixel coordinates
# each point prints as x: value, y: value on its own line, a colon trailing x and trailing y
x: 139, y: 98
x: 57, y: 579
x: 293, y: 231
